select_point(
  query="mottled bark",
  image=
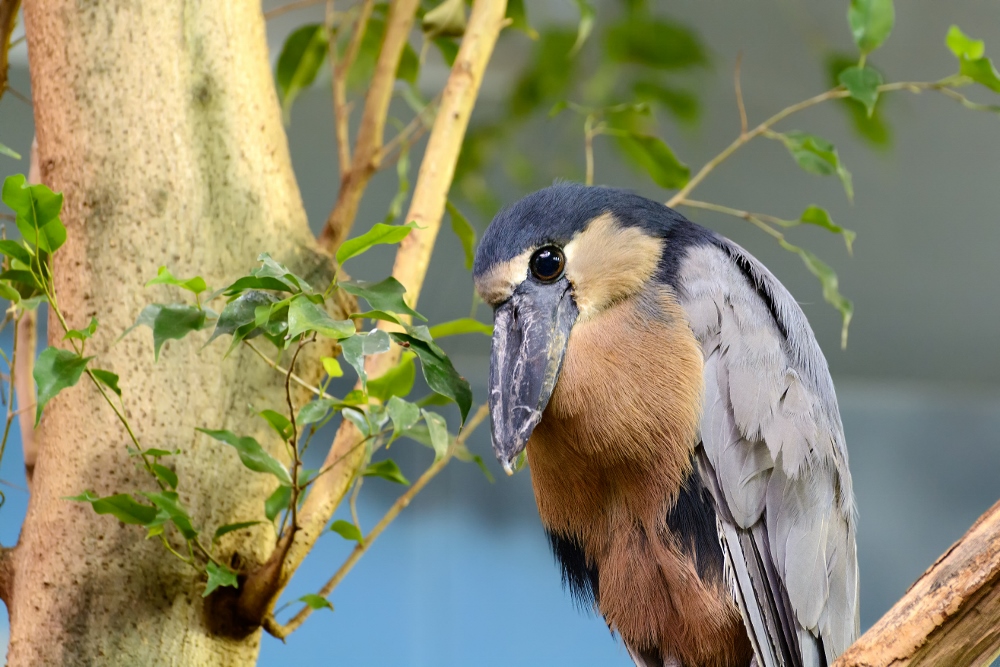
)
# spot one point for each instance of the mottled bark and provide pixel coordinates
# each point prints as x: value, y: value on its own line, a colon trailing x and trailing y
x: 950, y: 616
x: 158, y: 121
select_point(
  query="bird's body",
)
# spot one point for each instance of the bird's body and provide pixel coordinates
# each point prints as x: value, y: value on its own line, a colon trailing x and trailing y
x: 681, y: 428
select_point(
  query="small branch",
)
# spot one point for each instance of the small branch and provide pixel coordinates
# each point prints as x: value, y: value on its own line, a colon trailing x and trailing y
x: 290, y: 7
x: 427, y: 208
x: 370, y: 135
x: 833, y: 94
x: 282, y: 631
x: 8, y: 20
x: 588, y: 148
x: 739, y: 94
x: 950, y: 616
x: 27, y: 341
x: 294, y: 440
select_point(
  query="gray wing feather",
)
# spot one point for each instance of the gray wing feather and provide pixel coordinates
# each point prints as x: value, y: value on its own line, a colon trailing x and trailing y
x: 773, y: 448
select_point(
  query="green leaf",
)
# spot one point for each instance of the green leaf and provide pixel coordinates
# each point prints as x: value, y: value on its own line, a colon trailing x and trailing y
x: 169, y: 502
x: 332, y: 367
x: 257, y: 283
x: 164, y: 277
x: 252, y: 454
x: 301, y: 57
x: 356, y: 347
x: 681, y: 103
x: 585, y: 27
x: 874, y: 129
x: 862, y: 83
x: 438, y: 430
x: 304, y: 315
x: 441, y: 376
x: 386, y: 295
x: 37, y: 212
x: 386, y: 469
x: 397, y: 381
x: 465, y: 233
x: 830, y: 284
x: 379, y: 234
x: 122, y: 506
x: 359, y: 419
x: 445, y: 20
x: 409, y: 65
x: 173, y: 322
x: 463, y: 325
x: 448, y: 48
x: 55, y: 370
x: 218, y: 575
x: 655, y: 158
x: 814, y: 215
x: 82, y: 334
x: 982, y: 72
x: 347, y: 530
x: 232, y: 527
x: 964, y: 46
x: 871, y: 22
x: 165, y: 474
x: 314, y: 601
x: 518, y: 18
x: 156, y: 453
x: 238, y: 318
x: 376, y: 315
x: 403, y: 191
x: 817, y: 156
x: 9, y: 152
x: 277, y: 501
x: 654, y: 43
x: 403, y: 414
x: 279, y: 422
x: 8, y: 292
x: 271, y: 269
x: 15, y: 250
x: 547, y: 78
x: 315, y: 411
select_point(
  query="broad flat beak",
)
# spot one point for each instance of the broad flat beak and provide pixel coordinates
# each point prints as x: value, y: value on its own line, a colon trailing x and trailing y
x: 530, y: 332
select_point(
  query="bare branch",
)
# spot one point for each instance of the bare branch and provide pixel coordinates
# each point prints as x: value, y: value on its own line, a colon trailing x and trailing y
x: 290, y: 7
x: 369, y: 144
x: 8, y: 19
x: 950, y: 616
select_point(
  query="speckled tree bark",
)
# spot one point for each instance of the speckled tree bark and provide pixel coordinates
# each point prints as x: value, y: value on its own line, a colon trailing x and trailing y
x: 158, y: 121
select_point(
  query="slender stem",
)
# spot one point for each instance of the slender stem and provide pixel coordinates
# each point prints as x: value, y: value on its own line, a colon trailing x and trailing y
x: 588, y: 148
x: 12, y: 366
x: 418, y: 125
x: 739, y: 93
x: 282, y: 631
x: 290, y: 7
x: 758, y: 219
x: 294, y: 440
x: 295, y: 378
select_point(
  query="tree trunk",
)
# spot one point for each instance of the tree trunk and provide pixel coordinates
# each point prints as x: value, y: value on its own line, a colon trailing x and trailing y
x: 158, y: 121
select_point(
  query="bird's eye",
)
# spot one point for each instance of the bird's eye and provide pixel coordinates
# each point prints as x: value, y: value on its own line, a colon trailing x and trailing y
x: 547, y: 264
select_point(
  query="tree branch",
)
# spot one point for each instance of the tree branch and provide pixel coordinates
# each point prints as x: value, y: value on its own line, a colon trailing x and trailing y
x: 27, y: 340
x: 369, y: 144
x: 8, y: 19
x: 950, y: 616
x: 261, y: 588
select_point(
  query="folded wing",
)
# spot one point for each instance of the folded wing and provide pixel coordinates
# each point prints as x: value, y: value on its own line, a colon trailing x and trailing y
x: 772, y: 451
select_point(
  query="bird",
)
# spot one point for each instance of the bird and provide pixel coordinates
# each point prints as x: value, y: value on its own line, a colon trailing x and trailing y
x: 680, y: 426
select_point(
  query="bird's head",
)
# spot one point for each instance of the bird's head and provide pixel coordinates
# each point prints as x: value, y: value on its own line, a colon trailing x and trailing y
x: 559, y: 257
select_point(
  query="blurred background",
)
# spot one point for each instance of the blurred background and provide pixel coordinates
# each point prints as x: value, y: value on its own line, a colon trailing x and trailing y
x: 464, y: 576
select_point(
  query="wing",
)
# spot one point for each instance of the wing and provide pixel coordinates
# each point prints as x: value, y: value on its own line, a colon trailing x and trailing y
x: 773, y: 454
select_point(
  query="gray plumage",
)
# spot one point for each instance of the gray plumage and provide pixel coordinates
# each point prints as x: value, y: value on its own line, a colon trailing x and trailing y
x: 773, y: 452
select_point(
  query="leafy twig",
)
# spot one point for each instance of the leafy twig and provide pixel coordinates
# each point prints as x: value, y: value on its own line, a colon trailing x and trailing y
x: 281, y: 631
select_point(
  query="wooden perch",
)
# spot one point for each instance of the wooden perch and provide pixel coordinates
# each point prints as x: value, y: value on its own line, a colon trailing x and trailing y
x: 950, y: 617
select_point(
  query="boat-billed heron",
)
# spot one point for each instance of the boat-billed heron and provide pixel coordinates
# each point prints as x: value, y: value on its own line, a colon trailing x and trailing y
x: 681, y: 429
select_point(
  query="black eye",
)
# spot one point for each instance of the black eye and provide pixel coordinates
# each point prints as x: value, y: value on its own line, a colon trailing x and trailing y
x: 547, y: 264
